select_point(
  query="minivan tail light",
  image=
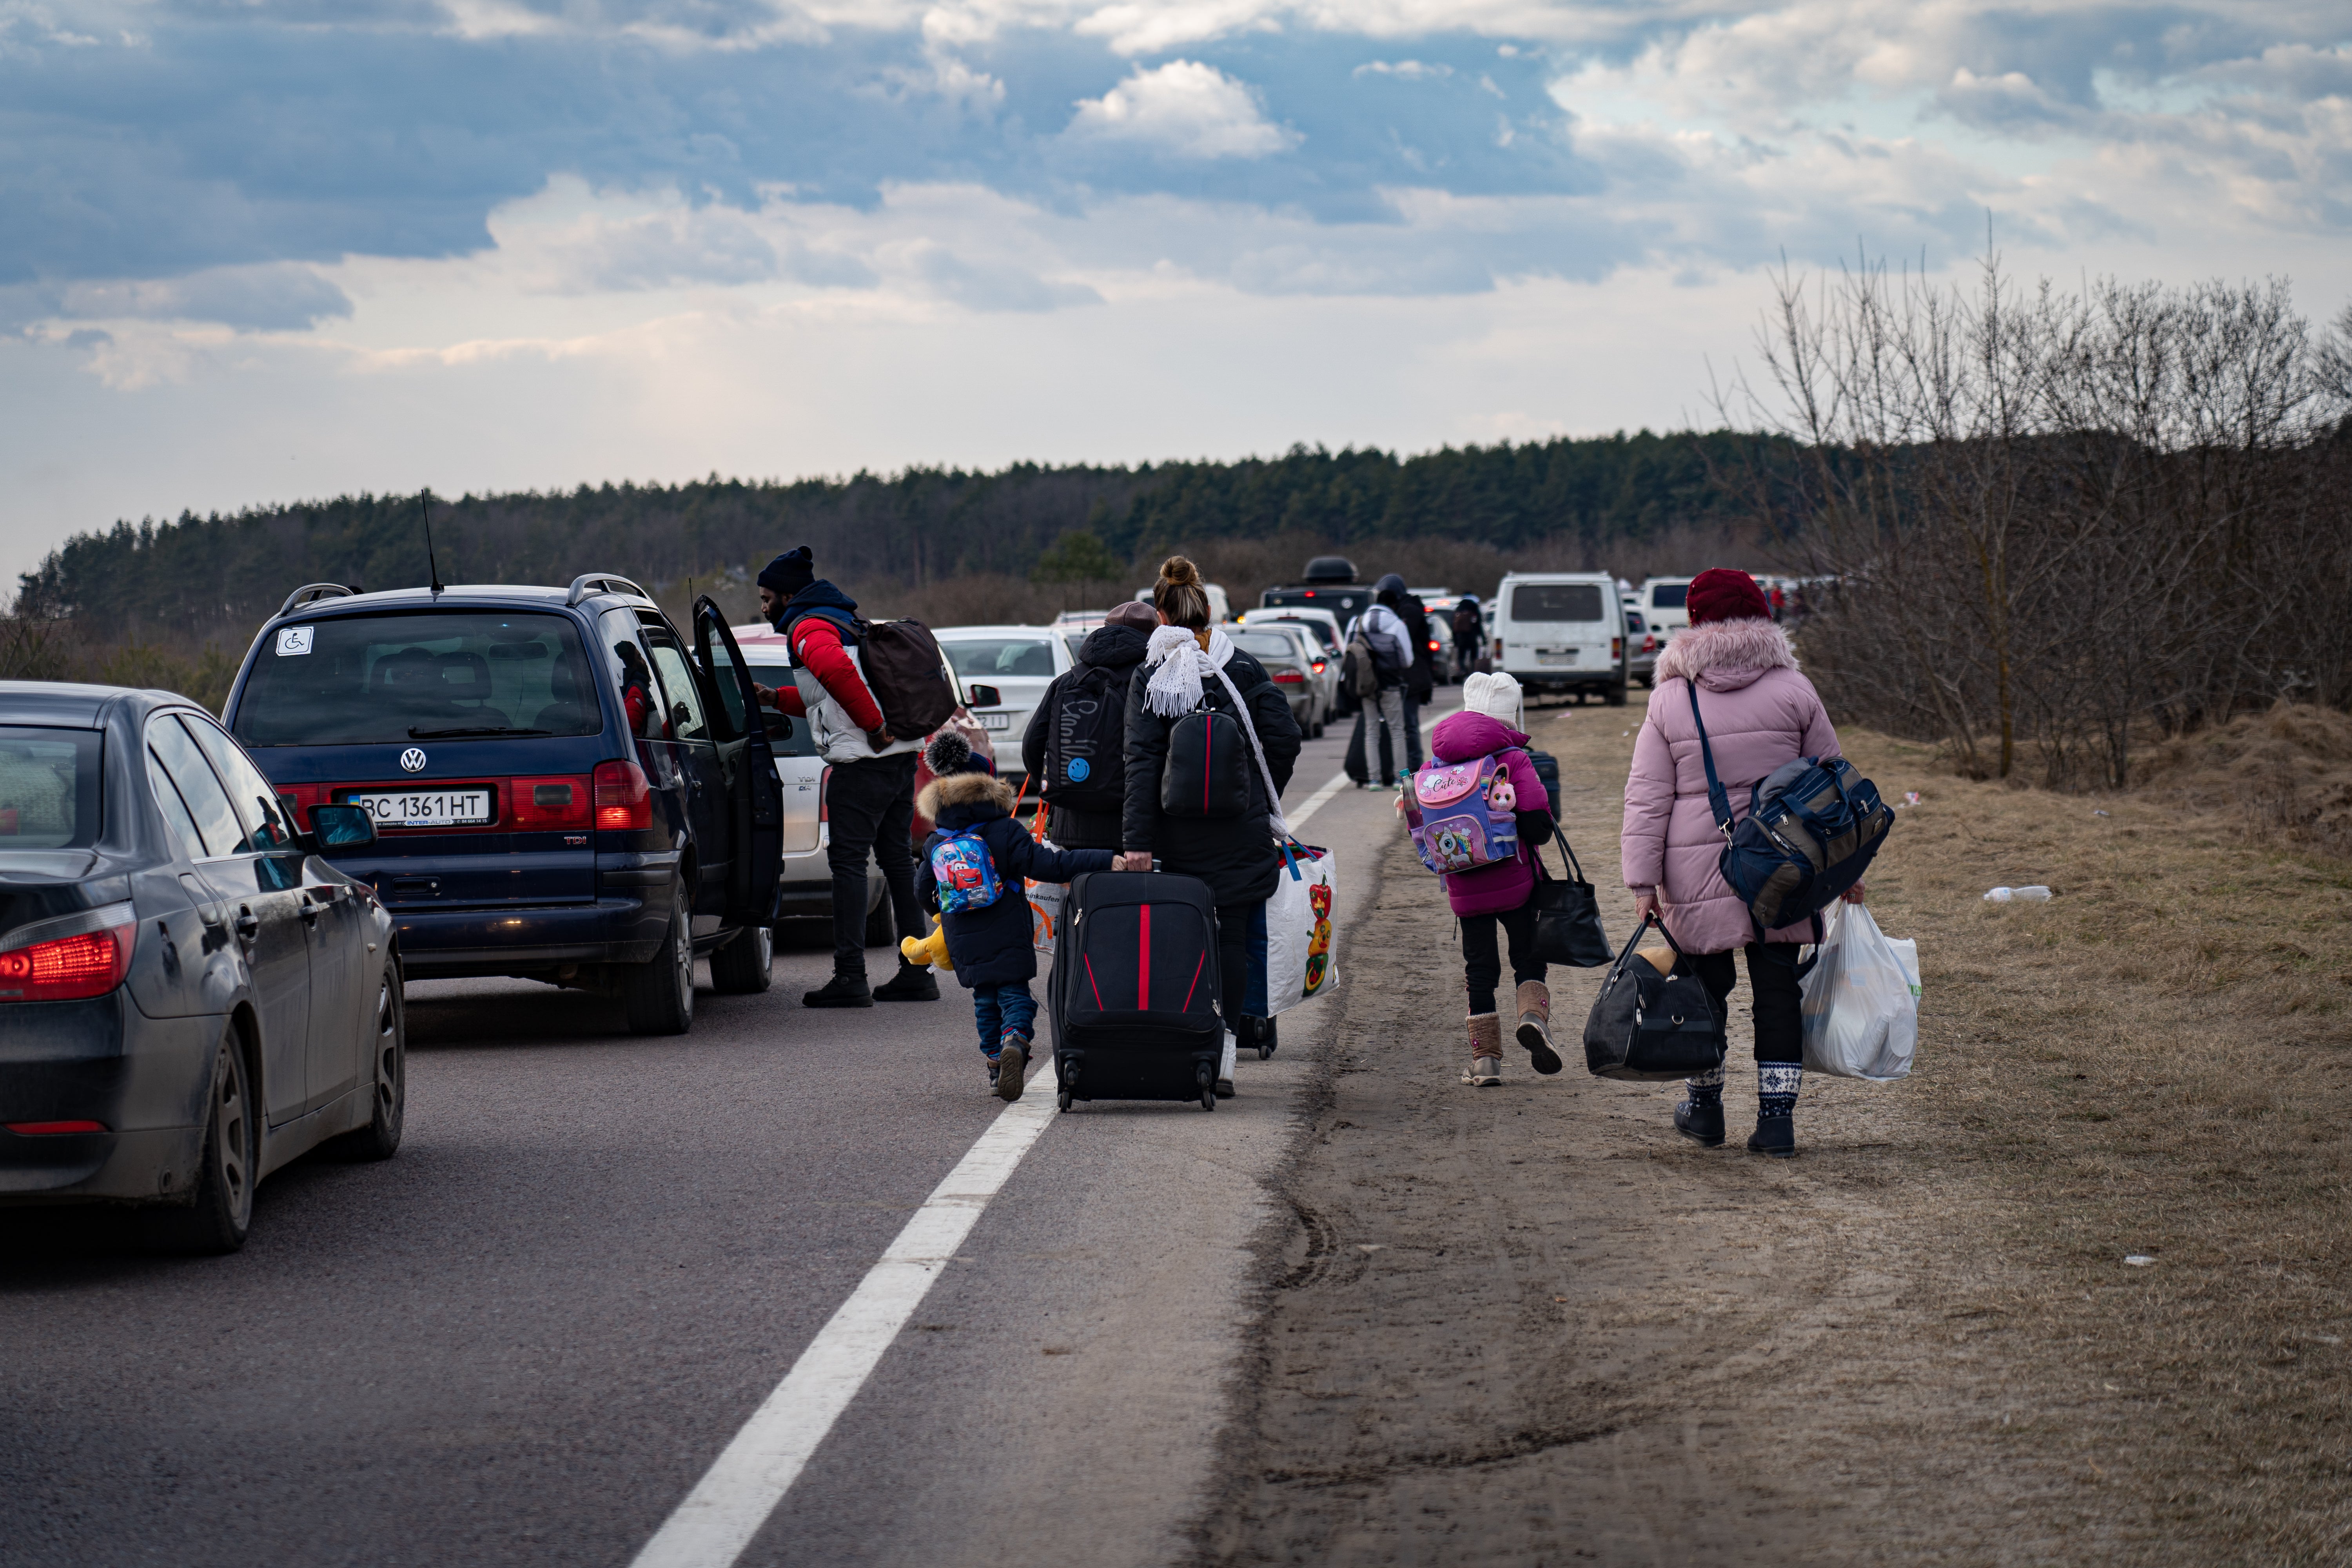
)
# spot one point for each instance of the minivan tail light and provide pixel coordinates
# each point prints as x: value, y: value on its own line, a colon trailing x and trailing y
x: 1616, y: 647
x: 73, y: 964
x: 552, y: 802
x: 623, y: 797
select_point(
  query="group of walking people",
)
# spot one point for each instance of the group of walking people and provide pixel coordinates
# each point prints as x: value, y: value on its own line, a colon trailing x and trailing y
x: 1098, y: 741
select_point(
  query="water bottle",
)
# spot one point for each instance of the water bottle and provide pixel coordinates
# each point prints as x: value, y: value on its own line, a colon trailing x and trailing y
x: 2037, y: 894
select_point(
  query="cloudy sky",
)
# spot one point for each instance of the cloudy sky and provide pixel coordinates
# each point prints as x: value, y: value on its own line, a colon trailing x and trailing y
x: 259, y: 250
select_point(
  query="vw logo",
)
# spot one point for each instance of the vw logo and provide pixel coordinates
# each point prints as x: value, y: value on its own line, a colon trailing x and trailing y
x: 412, y: 761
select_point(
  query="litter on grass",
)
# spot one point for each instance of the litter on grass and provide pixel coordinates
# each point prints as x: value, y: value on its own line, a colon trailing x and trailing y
x: 2139, y: 1259
x: 2037, y: 894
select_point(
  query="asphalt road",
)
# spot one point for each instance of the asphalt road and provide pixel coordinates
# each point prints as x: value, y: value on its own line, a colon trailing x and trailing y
x: 524, y: 1339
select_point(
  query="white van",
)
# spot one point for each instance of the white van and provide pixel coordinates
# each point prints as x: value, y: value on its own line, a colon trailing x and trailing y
x: 1221, y: 609
x: 1662, y: 606
x: 1562, y: 631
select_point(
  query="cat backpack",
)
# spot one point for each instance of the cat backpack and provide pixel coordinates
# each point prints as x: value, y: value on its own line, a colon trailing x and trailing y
x: 965, y: 874
x: 1463, y: 815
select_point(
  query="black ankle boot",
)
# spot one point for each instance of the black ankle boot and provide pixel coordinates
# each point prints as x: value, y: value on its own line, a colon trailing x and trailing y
x: 840, y: 991
x: 1774, y: 1135
x: 913, y: 983
x: 1701, y: 1122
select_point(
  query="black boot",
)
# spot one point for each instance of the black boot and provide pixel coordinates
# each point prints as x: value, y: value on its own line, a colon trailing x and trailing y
x: 913, y: 983
x: 1701, y: 1122
x: 1778, y: 1084
x: 840, y: 991
x: 1774, y: 1135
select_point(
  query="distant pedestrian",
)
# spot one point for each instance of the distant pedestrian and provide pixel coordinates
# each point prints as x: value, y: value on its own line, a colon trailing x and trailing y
x: 983, y: 900
x: 1075, y: 745
x: 1421, y: 677
x: 1501, y: 896
x: 1759, y: 713
x: 1382, y: 714
x: 870, y: 794
x: 1780, y: 603
x: 1469, y: 632
x: 1236, y: 856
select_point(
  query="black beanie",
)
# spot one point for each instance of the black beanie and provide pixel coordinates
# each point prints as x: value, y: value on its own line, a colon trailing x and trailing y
x: 790, y: 572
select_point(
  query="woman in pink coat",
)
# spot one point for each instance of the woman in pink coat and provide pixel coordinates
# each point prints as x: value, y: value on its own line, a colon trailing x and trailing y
x: 1759, y: 713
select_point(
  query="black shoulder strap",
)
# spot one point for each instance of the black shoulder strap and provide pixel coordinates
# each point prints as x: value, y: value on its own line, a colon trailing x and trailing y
x: 1717, y: 801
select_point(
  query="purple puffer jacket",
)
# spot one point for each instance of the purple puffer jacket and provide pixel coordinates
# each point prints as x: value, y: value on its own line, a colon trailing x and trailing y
x: 1490, y: 889
x: 1759, y: 713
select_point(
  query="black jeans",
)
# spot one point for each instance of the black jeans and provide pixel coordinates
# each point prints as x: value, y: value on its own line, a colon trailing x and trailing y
x: 1771, y: 985
x: 1411, y: 732
x: 872, y: 809
x: 1482, y: 965
x: 1232, y: 964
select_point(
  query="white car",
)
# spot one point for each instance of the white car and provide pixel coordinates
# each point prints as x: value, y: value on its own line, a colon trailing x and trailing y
x: 1221, y: 609
x: 1562, y: 631
x: 1660, y: 600
x: 808, y: 877
x: 1020, y: 662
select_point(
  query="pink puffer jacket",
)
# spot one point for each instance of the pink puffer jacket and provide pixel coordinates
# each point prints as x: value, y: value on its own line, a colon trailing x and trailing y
x: 1759, y: 713
x: 1490, y: 889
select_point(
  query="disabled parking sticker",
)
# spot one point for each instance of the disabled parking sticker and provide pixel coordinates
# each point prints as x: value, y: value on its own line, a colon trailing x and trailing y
x: 293, y: 640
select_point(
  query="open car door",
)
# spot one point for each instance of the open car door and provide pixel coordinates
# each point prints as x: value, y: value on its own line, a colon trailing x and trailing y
x: 755, y: 794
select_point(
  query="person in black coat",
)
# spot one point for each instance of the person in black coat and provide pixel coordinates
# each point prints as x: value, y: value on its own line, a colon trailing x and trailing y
x: 1236, y: 856
x: 991, y: 946
x: 1075, y: 746
x: 1421, y: 680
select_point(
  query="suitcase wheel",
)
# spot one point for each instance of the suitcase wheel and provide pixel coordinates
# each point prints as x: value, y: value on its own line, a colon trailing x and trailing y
x: 1063, y: 1101
x: 1264, y: 1052
x: 1208, y: 1082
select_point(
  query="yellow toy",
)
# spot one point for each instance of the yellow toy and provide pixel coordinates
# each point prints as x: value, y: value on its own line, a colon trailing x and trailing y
x: 929, y: 951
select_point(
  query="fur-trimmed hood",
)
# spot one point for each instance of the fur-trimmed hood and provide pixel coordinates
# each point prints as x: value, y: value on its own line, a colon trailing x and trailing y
x: 945, y: 793
x: 1725, y: 654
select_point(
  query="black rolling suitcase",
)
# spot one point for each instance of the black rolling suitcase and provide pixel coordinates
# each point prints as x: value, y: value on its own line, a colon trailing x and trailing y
x: 1134, y: 999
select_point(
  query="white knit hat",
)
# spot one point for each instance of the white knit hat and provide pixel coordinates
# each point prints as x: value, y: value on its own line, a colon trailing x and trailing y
x: 1498, y: 696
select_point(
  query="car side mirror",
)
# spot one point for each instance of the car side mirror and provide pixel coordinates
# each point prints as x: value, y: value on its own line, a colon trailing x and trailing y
x: 778, y: 725
x: 342, y: 826
x: 983, y: 697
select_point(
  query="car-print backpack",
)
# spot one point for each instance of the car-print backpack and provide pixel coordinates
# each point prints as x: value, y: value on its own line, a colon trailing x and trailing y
x: 965, y: 871
x: 1463, y: 815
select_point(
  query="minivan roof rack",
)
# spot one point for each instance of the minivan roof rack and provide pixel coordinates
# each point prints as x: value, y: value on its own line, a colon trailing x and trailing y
x: 591, y: 582
x: 310, y: 591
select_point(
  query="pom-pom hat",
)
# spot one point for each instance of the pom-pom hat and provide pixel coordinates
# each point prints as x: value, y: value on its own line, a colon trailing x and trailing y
x: 1720, y: 594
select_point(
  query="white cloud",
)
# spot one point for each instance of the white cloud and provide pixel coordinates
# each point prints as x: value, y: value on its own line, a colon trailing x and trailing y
x: 1184, y: 108
x: 1408, y: 71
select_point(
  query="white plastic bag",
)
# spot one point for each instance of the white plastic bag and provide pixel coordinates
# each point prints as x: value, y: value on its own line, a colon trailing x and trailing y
x: 1291, y: 950
x: 1046, y: 901
x: 1862, y: 1000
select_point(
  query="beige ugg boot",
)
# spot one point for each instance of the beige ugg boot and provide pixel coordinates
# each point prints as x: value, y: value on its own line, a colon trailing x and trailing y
x: 1486, y: 1050
x: 1534, y: 1026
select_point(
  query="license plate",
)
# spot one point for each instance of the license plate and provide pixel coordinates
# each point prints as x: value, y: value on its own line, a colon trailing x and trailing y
x: 996, y: 720
x: 1568, y: 657
x: 426, y: 808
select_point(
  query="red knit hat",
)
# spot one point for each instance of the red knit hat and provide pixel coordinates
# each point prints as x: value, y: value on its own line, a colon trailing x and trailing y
x: 1720, y: 594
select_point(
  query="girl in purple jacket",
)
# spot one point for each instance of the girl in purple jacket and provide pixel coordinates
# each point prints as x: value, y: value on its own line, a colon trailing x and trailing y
x: 1501, y: 894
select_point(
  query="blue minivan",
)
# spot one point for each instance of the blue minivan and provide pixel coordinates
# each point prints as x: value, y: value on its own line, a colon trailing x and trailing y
x: 564, y: 787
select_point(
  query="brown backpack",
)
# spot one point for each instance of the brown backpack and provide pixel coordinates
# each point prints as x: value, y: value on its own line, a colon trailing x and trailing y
x: 907, y: 676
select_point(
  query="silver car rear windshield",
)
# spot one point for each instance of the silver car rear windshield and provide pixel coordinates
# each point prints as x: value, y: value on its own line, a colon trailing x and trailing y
x: 977, y: 658
x: 1265, y: 645
x: 431, y: 675
x: 48, y: 788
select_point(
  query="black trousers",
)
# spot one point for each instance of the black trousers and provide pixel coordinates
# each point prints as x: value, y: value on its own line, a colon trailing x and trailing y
x: 1777, y: 1002
x: 1233, y: 965
x: 872, y: 809
x: 1482, y: 964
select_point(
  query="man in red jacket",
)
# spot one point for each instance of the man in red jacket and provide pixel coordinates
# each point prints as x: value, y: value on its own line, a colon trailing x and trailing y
x: 870, y: 798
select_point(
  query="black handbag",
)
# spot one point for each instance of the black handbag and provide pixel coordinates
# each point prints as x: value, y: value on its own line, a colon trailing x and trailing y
x: 1652, y: 1027
x: 1567, y: 916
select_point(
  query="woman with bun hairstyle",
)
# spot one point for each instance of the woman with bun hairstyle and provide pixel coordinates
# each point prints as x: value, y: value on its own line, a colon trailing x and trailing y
x: 1759, y: 713
x: 1235, y: 855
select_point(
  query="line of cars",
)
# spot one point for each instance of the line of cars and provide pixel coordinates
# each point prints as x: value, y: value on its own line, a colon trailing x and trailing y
x: 205, y: 925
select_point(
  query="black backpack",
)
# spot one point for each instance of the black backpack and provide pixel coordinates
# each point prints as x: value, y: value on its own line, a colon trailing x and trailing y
x: 903, y: 668
x: 1086, y: 739
x: 1207, y: 774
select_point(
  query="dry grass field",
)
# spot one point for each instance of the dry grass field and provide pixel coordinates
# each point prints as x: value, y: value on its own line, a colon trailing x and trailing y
x: 1531, y: 1325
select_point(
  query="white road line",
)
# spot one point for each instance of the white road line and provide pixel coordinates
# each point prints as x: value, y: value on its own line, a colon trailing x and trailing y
x: 727, y: 1506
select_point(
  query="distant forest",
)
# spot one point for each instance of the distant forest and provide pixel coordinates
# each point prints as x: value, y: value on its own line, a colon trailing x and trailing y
x: 926, y: 538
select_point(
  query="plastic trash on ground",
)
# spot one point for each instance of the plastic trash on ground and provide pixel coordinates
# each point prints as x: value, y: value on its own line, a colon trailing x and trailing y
x: 2037, y: 894
x: 1860, y: 1006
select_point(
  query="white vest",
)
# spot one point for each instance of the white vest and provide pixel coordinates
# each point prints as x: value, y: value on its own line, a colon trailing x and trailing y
x: 838, y: 738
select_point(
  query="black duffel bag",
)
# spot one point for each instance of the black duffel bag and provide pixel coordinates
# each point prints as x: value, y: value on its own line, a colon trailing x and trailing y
x: 1652, y: 1027
x: 1568, y: 915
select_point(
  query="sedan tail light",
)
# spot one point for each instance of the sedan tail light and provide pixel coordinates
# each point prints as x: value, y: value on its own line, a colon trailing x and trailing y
x: 1290, y: 677
x: 623, y: 797
x: 68, y: 959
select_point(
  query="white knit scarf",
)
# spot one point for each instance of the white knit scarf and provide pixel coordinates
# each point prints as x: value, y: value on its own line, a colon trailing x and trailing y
x: 1178, y: 662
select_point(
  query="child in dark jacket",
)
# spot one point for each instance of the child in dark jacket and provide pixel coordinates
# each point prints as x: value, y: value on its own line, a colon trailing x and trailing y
x: 1501, y: 895
x: 991, y: 944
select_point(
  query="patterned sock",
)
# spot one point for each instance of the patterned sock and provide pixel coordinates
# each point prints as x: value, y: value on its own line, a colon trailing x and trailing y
x: 1777, y: 1087
x: 1707, y: 1088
